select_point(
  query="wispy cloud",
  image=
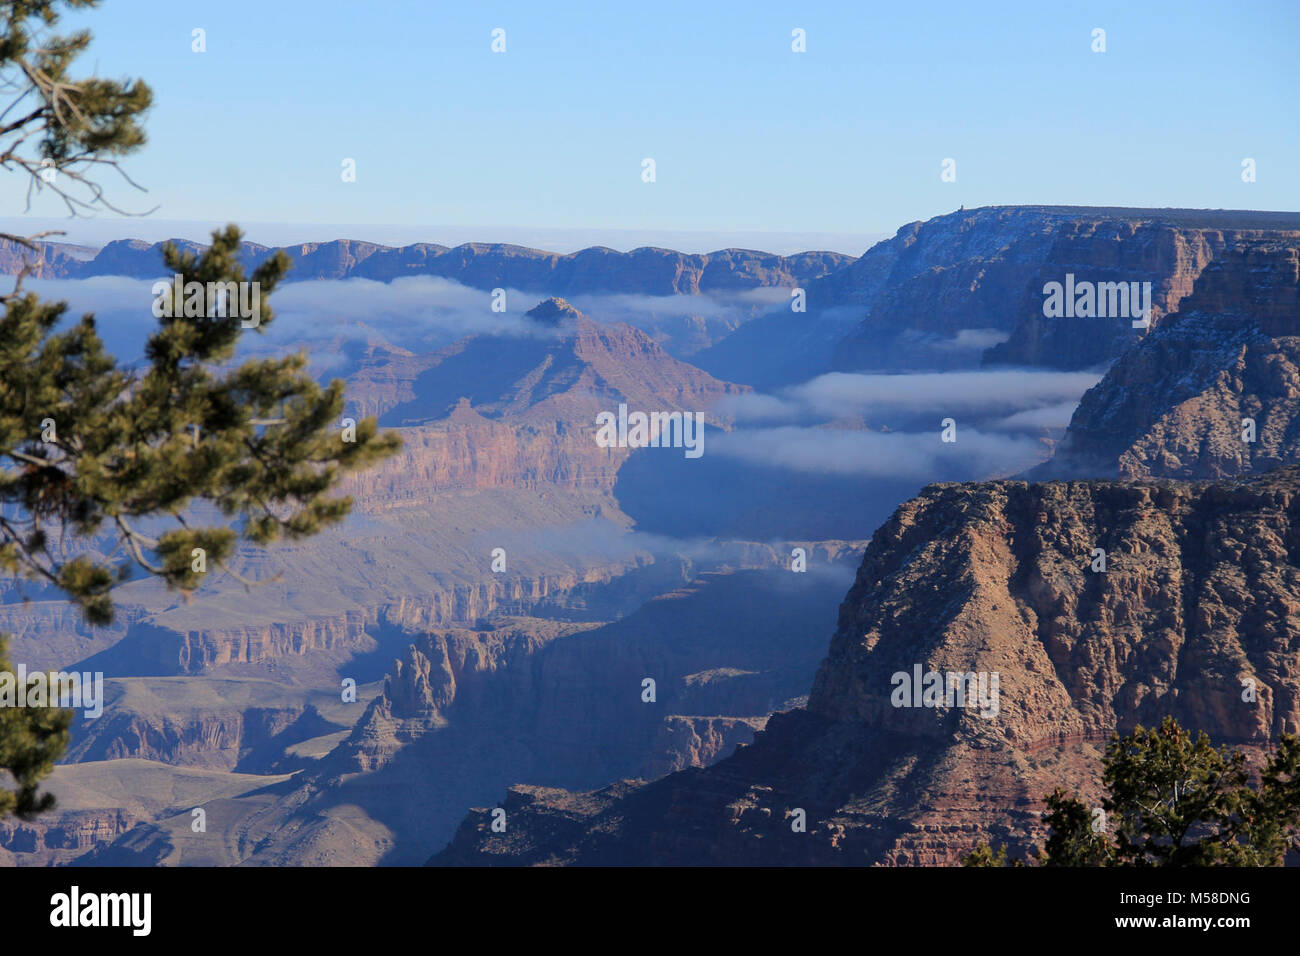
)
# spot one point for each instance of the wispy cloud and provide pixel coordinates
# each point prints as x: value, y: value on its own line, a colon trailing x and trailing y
x: 837, y: 395
x: 418, y: 312
x: 890, y: 426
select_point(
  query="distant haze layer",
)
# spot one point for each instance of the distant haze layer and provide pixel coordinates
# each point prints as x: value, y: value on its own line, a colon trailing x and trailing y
x: 97, y: 232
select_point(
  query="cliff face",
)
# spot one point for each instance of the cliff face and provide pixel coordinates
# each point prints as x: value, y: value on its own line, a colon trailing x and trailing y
x: 60, y: 838
x: 986, y: 268
x: 52, y: 260
x: 214, y: 739
x: 1199, y: 603
x: 466, y: 711
x: 163, y: 645
x: 1174, y: 404
x: 571, y: 368
x: 520, y: 412
x: 506, y: 445
x: 901, y: 305
x: 699, y: 741
x: 570, y: 696
x: 645, y: 271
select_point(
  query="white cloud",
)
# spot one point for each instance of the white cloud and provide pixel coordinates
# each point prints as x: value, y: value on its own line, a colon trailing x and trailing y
x: 1049, y: 416
x: 877, y: 397
x: 942, y: 393
x: 1000, y: 416
x: 973, y: 340
x: 418, y: 312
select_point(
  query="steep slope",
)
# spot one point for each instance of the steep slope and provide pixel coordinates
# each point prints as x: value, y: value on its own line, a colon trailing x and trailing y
x: 505, y: 453
x: 967, y: 287
x: 570, y: 369
x: 521, y: 411
x: 1174, y: 405
x: 1200, y: 599
x: 464, y: 712
x: 986, y: 269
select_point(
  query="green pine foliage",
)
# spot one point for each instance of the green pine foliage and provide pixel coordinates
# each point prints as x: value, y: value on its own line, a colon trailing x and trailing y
x: 1175, y: 800
x: 93, y: 452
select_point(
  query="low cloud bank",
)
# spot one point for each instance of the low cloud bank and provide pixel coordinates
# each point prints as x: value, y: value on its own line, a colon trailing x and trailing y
x: 996, y: 423
x: 419, y: 313
x: 988, y: 394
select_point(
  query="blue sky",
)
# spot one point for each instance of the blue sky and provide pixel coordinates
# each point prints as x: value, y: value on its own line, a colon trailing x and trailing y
x: 748, y: 137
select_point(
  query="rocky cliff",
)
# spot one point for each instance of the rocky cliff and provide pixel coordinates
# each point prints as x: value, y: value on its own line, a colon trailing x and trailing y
x: 209, y: 723
x: 986, y: 269
x: 214, y: 740
x: 1213, y: 391
x: 570, y: 366
x: 466, y: 711
x: 291, y: 640
x: 1196, y: 614
x: 50, y: 260
x: 505, y: 445
x: 519, y: 412
x: 966, y: 288
x: 61, y: 837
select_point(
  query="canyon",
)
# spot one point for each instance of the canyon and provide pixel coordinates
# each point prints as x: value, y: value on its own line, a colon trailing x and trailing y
x: 1177, y: 404
x: 1201, y: 595
x: 523, y: 689
x: 906, y: 302
x: 1196, y: 601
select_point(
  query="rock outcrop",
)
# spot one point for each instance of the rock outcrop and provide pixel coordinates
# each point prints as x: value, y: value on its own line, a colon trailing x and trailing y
x: 575, y: 690
x: 1213, y: 391
x: 986, y: 269
x: 50, y: 260
x: 552, y: 312
x: 174, y: 642
x: 520, y: 413
x: 61, y: 838
x: 213, y: 740
x: 1197, y: 614
x: 570, y: 368
x: 466, y: 711
x: 966, y: 289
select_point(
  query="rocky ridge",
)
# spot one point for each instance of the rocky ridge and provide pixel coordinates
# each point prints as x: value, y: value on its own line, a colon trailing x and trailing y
x: 966, y: 289
x: 480, y: 265
x: 1176, y: 404
x: 1200, y: 599
x: 986, y: 268
x: 465, y: 711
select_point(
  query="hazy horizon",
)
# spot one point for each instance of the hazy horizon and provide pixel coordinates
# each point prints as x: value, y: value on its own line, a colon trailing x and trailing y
x: 99, y: 231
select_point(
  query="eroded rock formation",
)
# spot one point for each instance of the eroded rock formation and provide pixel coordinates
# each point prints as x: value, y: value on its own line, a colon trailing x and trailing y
x: 1177, y: 403
x: 1199, y: 602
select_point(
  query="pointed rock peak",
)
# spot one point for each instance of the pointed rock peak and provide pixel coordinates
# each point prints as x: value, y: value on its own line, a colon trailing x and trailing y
x: 463, y: 410
x: 553, y: 311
